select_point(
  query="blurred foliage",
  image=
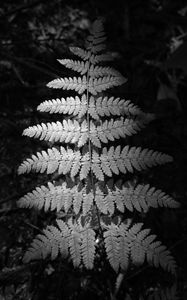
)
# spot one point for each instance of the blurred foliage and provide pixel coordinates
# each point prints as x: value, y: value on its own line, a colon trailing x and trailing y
x: 150, y: 40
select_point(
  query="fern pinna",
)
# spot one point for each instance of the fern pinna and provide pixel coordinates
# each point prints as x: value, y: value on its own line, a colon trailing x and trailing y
x: 84, y: 159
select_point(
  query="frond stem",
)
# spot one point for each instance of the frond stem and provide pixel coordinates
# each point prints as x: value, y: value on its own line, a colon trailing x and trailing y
x: 89, y: 147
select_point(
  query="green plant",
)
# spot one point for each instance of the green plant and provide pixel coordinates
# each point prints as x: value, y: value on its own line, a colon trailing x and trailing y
x: 92, y: 216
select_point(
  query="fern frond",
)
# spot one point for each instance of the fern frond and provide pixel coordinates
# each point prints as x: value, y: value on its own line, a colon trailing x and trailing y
x: 52, y: 242
x: 95, y: 59
x: 71, y: 238
x: 136, y: 236
x: 88, y: 247
x: 97, y: 71
x: 97, y: 37
x: 77, y: 201
x: 84, y: 54
x: 70, y: 105
x: 78, y: 66
x: 88, y: 205
x: 122, y: 243
x: 49, y: 198
x: 99, y: 200
x: 104, y: 203
x: 87, y: 55
x: 98, y: 107
x: 142, y: 197
x: 124, y: 247
x: 51, y: 160
x: 112, y: 245
x: 143, y: 246
x: 111, y: 130
x: 68, y: 132
x: 100, y: 84
x: 83, y: 67
x: 97, y: 48
x: 79, y: 84
x: 86, y: 166
x: 87, y: 202
x: 95, y: 166
x: 114, y: 160
x: 73, y: 132
x: 76, y: 83
x: 157, y: 254
x: 58, y: 197
x: 105, y: 106
x: 75, y: 241
x: 39, y: 249
x: 136, y: 252
x: 64, y: 241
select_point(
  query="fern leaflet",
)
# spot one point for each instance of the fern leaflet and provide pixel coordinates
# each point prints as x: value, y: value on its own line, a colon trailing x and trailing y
x: 114, y: 160
x: 122, y: 242
x: 99, y: 107
x: 73, y: 132
x: 112, y: 246
x: 88, y: 247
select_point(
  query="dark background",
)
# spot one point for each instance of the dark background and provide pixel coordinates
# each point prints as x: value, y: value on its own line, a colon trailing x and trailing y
x: 149, y: 40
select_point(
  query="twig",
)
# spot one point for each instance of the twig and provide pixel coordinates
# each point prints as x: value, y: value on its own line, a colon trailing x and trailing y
x: 33, y: 226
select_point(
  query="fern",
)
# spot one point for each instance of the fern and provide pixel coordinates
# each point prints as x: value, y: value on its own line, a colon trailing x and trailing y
x: 85, y: 151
